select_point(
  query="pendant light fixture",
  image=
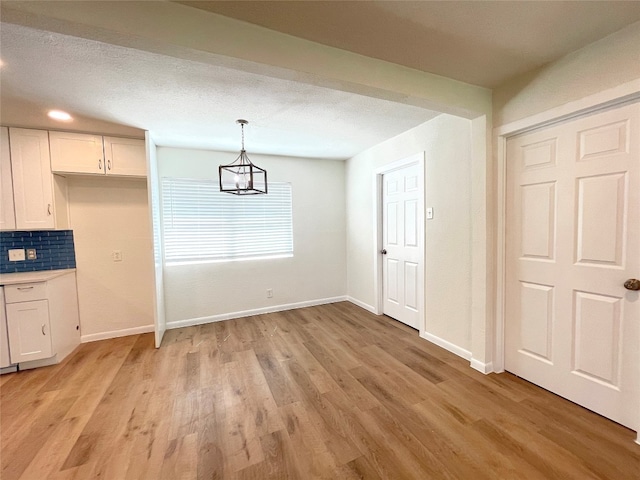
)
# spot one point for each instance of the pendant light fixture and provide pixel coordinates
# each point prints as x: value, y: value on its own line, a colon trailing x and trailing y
x: 242, y: 177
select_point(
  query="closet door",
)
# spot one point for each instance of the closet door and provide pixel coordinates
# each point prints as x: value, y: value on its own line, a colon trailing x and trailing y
x: 573, y: 237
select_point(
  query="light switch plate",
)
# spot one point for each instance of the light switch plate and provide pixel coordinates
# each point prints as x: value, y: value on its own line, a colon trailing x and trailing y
x: 116, y: 255
x: 429, y: 213
x: 16, y: 254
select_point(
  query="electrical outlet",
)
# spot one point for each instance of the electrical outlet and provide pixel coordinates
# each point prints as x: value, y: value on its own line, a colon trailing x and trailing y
x: 31, y: 254
x: 269, y: 292
x: 116, y: 255
x: 16, y: 254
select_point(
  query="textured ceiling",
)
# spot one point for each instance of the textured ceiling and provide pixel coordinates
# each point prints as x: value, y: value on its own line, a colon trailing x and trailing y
x: 479, y: 42
x: 186, y: 103
x: 122, y: 78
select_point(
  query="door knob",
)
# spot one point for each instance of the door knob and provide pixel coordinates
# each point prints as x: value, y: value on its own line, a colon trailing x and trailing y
x: 384, y: 252
x: 632, y: 284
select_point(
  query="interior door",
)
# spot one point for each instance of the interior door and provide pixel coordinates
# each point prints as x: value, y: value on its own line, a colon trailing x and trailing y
x: 403, y: 244
x: 573, y: 221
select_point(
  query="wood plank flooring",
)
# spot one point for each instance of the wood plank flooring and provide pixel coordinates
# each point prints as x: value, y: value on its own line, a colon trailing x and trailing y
x: 327, y: 392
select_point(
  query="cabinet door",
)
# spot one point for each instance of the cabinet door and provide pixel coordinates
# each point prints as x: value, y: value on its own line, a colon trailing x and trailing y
x: 29, y: 331
x: 76, y: 153
x: 125, y: 156
x: 32, y: 179
x: 7, y: 212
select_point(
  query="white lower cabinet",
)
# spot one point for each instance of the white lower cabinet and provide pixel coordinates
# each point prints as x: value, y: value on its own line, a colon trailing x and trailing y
x: 43, y: 322
x: 29, y: 331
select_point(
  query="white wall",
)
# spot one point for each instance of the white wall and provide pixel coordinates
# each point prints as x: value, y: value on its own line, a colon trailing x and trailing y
x: 604, y: 64
x: 317, y: 271
x: 447, y: 143
x: 155, y: 217
x: 106, y: 214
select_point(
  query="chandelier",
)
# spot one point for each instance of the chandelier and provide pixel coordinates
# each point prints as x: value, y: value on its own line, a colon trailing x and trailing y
x: 242, y: 177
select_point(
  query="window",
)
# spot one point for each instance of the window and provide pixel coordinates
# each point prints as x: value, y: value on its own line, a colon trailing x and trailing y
x: 201, y: 224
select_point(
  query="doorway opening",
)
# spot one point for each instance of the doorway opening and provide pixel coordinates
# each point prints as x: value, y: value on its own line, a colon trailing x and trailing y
x: 399, y: 255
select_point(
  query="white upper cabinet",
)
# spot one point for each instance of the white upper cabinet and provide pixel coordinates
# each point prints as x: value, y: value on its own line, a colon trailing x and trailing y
x: 125, y: 156
x: 93, y: 154
x: 76, y: 153
x: 7, y: 212
x: 32, y: 179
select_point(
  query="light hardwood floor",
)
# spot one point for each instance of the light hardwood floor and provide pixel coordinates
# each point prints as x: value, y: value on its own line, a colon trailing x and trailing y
x: 323, y: 392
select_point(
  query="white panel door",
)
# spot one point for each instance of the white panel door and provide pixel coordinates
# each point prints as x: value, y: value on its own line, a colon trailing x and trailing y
x: 32, y: 179
x: 125, y: 156
x: 76, y: 153
x: 7, y: 212
x: 573, y: 239
x: 403, y: 244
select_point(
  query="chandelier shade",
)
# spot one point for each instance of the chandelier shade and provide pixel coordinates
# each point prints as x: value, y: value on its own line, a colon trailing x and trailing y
x: 242, y: 177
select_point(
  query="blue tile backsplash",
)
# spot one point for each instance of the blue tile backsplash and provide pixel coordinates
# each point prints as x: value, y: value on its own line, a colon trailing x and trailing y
x: 54, y: 250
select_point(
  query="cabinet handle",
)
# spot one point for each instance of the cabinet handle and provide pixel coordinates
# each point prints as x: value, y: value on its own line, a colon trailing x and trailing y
x: 99, y: 164
x: 48, y: 209
x: 109, y: 164
x: 43, y: 330
x: 25, y: 288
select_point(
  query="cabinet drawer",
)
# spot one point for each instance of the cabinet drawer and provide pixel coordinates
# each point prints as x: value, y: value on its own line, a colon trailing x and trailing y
x: 25, y: 292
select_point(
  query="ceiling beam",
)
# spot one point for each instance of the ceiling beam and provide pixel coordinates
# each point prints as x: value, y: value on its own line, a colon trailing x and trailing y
x: 190, y: 34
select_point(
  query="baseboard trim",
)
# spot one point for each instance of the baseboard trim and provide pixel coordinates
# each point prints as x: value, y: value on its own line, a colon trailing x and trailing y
x: 482, y: 367
x: 94, y: 337
x: 360, y: 304
x: 188, y: 322
x: 44, y: 362
x: 461, y: 352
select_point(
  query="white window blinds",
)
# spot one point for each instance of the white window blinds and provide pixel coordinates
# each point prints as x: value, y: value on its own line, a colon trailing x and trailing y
x: 201, y: 224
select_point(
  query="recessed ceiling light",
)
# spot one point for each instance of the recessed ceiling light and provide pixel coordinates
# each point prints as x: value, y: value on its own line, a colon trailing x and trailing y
x: 59, y: 115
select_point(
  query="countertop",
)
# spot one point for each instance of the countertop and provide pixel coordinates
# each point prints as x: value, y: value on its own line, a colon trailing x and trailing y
x: 29, y: 277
